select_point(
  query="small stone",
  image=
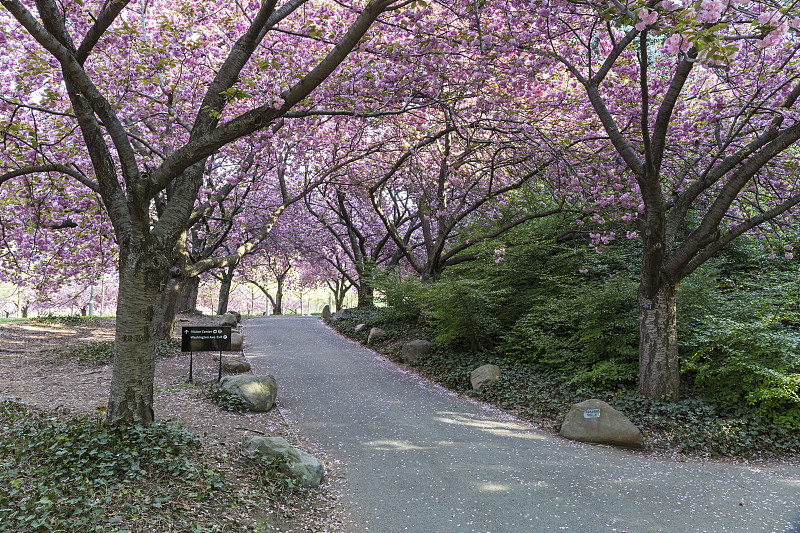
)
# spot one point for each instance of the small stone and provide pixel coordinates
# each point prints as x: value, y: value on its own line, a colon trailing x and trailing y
x: 228, y: 320
x: 596, y: 421
x: 359, y: 328
x: 258, y: 392
x: 484, y: 375
x: 342, y: 314
x: 237, y: 340
x: 304, y: 468
x: 412, y: 351
x: 375, y: 334
x: 235, y: 365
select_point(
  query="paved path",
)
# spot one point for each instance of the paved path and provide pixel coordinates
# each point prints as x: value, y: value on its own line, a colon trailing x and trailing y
x: 419, y: 459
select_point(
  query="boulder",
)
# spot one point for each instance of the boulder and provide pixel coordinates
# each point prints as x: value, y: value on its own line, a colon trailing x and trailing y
x: 228, y: 320
x: 326, y: 311
x: 484, y: 375
x: 235, y: 365
x: 413, y: 350
x: 258, y: 392
x: 237, y: 340
x: 596, y: 421
x: 237, y: 314
x: 359, y: 328
x: 342, y: 314
x: 304, y: 468
x: 375, y: 334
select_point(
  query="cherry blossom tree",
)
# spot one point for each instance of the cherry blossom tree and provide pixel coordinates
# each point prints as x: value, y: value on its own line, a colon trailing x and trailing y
x: 697, y: 105
x: 196, y: 77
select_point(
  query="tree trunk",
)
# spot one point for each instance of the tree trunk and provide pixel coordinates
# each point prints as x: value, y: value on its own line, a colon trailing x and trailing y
x: 277, y: 306
x: 189, y: 291
x: 365, y: 294
x: 140, y: 275
x: 24, y: 311
x: 169, y: 301
x: 659, y: 372
x: 225, y: 291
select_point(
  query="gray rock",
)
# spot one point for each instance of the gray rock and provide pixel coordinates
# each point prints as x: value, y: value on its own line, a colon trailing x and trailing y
x: 304, y: 468
x: 413, y: 350
x: 237, y: 314
x: 359, y: 328
x: 596, y: 421
x: 237, y: 340
x: 235, y: 365
x: 326, y: 311
x: 484, y: 375
x: 342, y: 314
x: 375, y: 334
x: 258, y: 392
x: 228, y: 320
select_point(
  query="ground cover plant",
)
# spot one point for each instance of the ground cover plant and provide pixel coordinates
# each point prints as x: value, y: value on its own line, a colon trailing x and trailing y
x: 78, y: 474
x: 56, y: 425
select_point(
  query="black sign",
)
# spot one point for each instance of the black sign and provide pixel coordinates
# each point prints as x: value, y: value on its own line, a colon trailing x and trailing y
x: 206, y: 339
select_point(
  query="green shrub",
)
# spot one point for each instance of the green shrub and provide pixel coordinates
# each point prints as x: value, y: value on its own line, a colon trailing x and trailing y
x: 402, y: 294
x: 752, y: 363
x: 462, y: 312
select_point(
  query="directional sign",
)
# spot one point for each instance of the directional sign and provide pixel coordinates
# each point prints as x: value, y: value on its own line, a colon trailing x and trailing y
x: 206, y: 339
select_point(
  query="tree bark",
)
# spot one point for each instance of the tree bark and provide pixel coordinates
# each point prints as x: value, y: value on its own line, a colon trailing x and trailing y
x: 168, y: 307
x: 225, y: 290
x: 189, y: 291
x: 365, y: 293
x: 140, y: 276
x: 659, y: 371
x: 277, y: 305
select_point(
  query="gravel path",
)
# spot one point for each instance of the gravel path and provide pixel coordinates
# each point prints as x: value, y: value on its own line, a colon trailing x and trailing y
x: 417, y: 458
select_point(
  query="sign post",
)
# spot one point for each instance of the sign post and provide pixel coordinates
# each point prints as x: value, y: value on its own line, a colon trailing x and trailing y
x: 205, y: 339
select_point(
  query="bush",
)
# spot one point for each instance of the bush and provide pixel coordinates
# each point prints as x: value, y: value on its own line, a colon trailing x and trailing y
x: 754, y: 363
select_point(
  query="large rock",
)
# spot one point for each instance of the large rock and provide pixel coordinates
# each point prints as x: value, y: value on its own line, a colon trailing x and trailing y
x: 413, y: 350
x: 326, y: 311
x: 596, y: 421
x: 342, y: 314
x: 237, y: 340
x: 484, y: 375
x: 258, y: 392
x: 237, y: 314
x: 304, y: 468
x: 375, y: 334
x: 228, y: 319
x: 235, y: 365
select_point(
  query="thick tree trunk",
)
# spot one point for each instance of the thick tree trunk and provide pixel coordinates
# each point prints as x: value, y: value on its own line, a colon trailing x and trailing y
x: 365, y: 294
x: 659, y: 372
x: 225, y: 291
x: 140, y: 276
x: 189, y: 291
